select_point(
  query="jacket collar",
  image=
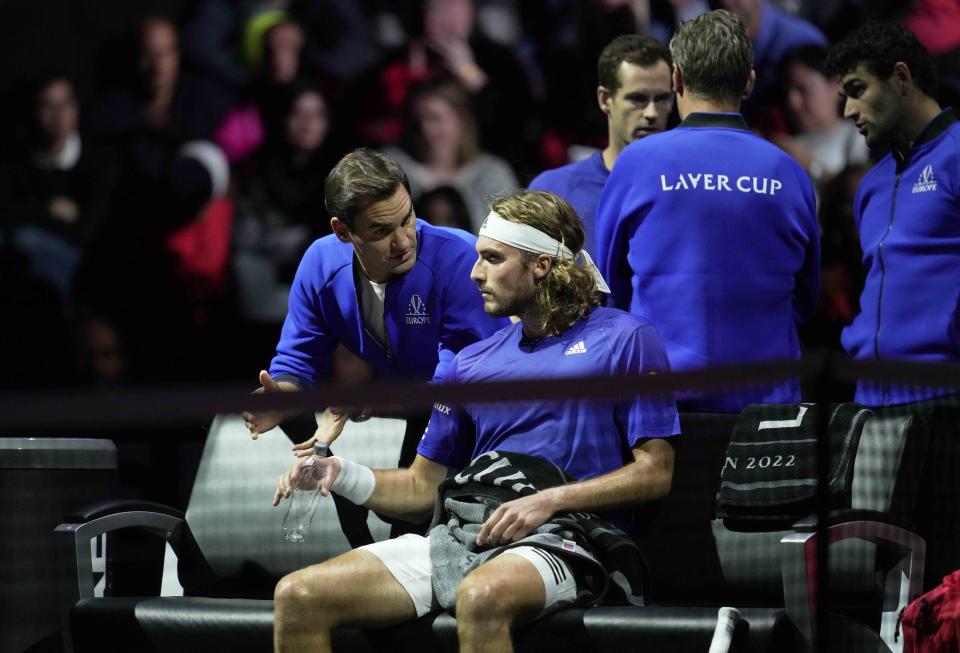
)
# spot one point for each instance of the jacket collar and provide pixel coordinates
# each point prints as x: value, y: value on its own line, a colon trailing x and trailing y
x: 728, y: 120
x: 936, y: 127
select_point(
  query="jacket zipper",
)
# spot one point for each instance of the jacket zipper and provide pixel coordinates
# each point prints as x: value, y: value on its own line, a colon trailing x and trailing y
x: 883, y: 265
x: 387, y: 349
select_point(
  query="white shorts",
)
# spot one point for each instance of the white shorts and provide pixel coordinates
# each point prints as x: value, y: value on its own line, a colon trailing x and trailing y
x: 407, y: 558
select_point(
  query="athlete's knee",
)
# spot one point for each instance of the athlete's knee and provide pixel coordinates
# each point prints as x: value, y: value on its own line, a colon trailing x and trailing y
x: 292, y: 590
x: 305, y: 591
x: 485, y: 598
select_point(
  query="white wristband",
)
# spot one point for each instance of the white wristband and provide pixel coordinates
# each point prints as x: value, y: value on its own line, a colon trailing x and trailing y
x: 355, y: 482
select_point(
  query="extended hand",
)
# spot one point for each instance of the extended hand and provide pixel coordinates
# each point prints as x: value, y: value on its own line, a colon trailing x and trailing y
x: 263, y: 421
x: 329, y: 427
x: 295, y: 479
x: 516, y: 519
x: 459, y: 59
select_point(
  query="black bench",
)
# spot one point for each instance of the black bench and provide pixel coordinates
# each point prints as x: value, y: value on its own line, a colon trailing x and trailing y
x: 230, y: 556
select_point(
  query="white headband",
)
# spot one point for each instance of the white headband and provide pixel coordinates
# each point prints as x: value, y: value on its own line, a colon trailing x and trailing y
x: 529, y: 239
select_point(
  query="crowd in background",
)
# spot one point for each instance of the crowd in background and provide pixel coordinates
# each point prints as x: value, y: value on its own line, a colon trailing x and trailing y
x: 150, y: 225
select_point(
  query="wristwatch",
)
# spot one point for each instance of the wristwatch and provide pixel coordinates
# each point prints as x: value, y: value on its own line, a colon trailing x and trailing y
x: 362, y: 416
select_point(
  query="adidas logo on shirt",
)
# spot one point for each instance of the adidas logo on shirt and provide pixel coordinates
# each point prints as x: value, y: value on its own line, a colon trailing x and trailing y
x: 926, y: 182
x: 578, y: 348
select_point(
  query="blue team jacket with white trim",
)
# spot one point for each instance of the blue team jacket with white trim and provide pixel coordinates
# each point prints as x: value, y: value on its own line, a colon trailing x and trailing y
x: 430, y: 313
x: 908, y: 212
x: 711, y: 233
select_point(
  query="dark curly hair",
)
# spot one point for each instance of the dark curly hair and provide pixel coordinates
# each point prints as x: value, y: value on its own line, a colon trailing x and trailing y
x: 879, y: 46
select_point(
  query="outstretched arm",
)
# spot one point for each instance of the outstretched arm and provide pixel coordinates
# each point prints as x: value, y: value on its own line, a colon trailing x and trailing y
x: 403, y: 493
x: 263, y: 421
x: 648, y: 477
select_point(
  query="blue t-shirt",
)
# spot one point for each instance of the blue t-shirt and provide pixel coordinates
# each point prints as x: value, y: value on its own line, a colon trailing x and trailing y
x: 585, y: 438
x: 711, y: 233
x: 908, y: 214
x: 581, y: 184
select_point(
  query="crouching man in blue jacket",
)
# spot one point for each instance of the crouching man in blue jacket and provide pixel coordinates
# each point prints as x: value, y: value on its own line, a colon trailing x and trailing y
x: 395, y: 291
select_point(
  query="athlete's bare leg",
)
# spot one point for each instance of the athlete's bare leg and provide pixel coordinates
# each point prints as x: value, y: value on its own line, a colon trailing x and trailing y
x: 506, y: 590
x: 354, y: 589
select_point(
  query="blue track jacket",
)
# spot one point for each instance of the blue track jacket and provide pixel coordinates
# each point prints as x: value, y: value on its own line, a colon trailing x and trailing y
x: 711, y: 233
x: 581, y: 184
x: 430, y: 313
x: 908, y: 212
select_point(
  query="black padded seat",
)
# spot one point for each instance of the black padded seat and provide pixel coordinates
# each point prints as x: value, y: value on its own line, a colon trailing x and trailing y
x: 229, y: 531
x: 650, y: 628
x: 184, y: 625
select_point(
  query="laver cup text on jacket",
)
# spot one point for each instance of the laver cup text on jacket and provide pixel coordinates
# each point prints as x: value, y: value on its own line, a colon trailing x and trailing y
x: 719, y: 182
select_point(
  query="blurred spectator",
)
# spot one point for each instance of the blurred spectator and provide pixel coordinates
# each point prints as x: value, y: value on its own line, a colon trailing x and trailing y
x: 341, y: 39
x: 160, y: 270
x: 283, y: 49
x: 160, y: 192
x: 441, y: 148
x: 222, y: 38
x: 822, y: 142
x: 261, y: 113
x: 158, y: 102
x: 937, y: 25
x: 659, y: 18
x: 282, y: 64
x: 280, y: 208
x: 441, y: 40
x: 150, y: 117
x: 443, y: 206
x: 55, y: 189
x: 279, y: 61
x: 211, y: 37
x: 100, y: 358
x: 841, y: 273
x: 774, y: 33
x: 834, y: 17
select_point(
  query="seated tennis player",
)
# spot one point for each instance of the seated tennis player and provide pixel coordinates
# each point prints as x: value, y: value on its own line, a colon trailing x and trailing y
x: 516, y: 489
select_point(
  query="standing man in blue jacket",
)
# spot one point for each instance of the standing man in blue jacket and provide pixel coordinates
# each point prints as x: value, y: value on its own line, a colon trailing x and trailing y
x: 636, y: 95
x: 394, y: 291
x: 710, y: 231
x: 907, y: 207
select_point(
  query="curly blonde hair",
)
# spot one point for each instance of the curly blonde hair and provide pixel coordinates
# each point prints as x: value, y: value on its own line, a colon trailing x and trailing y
x: 569, y: 291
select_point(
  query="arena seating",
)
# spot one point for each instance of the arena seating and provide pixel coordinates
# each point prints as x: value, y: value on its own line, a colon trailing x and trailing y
x: 230, y: 555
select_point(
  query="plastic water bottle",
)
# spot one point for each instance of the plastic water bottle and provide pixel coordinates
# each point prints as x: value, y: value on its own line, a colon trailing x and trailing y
x: 303, y: 503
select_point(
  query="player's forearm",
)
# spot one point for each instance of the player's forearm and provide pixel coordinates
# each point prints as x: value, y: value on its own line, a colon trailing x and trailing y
x: 646, y: 479
x: 402, y: 494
